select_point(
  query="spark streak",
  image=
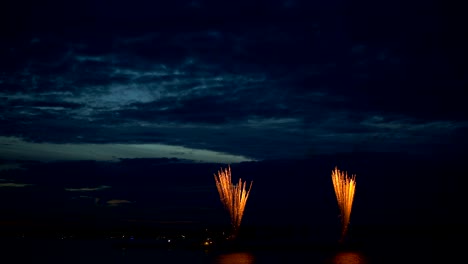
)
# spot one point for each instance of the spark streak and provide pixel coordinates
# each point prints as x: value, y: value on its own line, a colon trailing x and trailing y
x: 233, y: 196
x: 344, y: 189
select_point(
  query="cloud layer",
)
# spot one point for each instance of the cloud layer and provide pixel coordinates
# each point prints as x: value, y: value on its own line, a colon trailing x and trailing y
x: 256, y: 87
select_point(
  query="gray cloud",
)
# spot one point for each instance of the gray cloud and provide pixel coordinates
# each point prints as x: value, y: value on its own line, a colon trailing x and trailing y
x: 88, y: 189
x: 13, y: 185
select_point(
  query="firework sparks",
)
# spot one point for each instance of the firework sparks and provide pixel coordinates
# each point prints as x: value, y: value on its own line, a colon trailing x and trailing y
x: 344, y: 189
x: 233, y: 196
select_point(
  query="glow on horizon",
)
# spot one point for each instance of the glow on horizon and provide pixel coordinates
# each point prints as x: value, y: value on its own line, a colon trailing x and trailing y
x: 13, y: 148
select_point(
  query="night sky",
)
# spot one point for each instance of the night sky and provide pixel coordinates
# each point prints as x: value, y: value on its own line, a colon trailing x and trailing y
x: 125, y: 109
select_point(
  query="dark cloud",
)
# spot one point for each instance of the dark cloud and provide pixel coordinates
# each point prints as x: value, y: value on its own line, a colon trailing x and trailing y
x: 255, y: 79
x: 117, y: 202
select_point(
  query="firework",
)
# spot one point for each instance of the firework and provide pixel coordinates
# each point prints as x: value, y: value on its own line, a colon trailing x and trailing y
x: 344, y: 189
x: 233, y: 196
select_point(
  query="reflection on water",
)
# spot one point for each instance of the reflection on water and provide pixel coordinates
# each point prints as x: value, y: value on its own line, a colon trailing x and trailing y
x: 235, y: 258
x: 349, y: 258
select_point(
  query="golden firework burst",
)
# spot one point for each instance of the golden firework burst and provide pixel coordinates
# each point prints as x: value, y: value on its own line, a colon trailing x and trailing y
x: 233, y: 196
x: 344, y: 189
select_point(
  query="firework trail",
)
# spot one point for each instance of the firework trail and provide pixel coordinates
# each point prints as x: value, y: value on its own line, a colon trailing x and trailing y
x: 233, y: 196
x: 344, y: 189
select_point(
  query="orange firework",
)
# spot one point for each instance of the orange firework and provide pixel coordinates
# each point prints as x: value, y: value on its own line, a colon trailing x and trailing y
x: 344, y: 189
x: 233, y: 196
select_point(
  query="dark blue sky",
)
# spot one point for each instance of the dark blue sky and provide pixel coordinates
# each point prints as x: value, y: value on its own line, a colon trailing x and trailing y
x: 222, y: 83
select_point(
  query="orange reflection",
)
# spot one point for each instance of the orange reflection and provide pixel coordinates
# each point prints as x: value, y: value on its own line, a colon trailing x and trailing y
x: 236, y: 258
x: 349, y: 258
